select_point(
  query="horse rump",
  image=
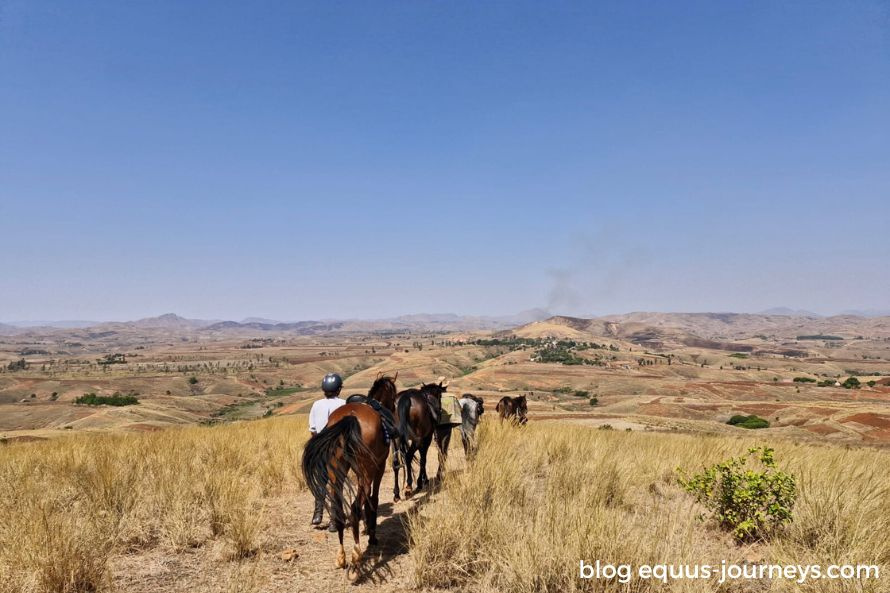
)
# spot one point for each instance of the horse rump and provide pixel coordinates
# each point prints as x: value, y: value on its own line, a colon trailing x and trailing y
x: 330, y: 456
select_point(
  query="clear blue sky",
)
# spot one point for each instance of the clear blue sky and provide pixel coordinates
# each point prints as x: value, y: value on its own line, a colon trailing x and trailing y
x: 369, y: 159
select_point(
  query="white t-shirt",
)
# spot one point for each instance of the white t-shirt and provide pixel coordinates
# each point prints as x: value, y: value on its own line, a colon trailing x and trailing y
x: 321, y: 411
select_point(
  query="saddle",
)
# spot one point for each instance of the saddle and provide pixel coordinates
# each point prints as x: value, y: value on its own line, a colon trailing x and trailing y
x: 390, y: 430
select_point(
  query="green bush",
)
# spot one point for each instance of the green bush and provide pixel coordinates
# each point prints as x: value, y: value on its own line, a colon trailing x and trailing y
x: 193, y: 380
x: 594, y: 401
x: 91, y: 399
x: 749, y: 502
x: 751, y: 421
x: 804, y: 380
x: 851, y: 383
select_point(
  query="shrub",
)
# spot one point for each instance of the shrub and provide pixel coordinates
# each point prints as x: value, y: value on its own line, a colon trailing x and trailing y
x: 193, y: 380
x: 594, y: 401
x: 804, y: 380
x: 18, y: 365
x: 751, y: 421
x: 851, y: 383
x: 91, y: 399
x: 749, y: 503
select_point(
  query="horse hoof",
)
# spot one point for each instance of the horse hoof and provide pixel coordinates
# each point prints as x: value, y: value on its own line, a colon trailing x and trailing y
x: 341, y: 560
x: 356, y: 556
x: 408, y: 493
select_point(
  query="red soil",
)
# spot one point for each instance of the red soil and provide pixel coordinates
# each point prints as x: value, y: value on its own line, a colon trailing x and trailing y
x: 868, y: 419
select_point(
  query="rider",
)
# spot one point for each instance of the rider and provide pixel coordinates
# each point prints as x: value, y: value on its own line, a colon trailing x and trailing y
x: 318, y: 419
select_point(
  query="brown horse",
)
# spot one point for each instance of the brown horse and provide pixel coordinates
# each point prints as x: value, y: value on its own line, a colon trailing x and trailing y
x: 514, y: 409
x: 417, y: 414
x: 383, y: 390
x: 347, y: 459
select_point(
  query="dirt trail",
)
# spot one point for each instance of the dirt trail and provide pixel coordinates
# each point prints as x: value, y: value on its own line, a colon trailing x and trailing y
x: 387, y: 567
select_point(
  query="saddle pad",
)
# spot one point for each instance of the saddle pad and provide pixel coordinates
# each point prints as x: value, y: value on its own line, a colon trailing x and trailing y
x: 450, y: 410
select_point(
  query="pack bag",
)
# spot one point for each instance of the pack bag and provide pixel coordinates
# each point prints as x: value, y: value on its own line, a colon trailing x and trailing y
x: 450, y: 413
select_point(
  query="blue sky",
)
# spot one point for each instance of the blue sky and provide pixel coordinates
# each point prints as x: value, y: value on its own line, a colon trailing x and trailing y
x: 298, y: 160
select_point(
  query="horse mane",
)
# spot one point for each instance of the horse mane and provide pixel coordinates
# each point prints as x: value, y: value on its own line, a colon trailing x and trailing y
x: 384, y: 391
x: 381, y: 383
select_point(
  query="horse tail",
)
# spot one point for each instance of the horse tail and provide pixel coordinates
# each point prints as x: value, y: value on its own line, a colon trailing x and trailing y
x: 404, y: 408
x: 331, y: 455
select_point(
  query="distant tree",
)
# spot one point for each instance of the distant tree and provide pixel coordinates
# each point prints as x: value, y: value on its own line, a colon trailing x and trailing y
x: 851, y: 383
x: 18, y: 365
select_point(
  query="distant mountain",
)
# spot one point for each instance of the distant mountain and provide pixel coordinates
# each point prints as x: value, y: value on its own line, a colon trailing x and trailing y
x: 787, y: 312
x: 706, y: 330
x: 527, y: 316
x: 867, y: 312
x: 299, y: 327
x: 6, y: 329
x: 62, y: 324
x: 170, y: 321
x: 262, y: 320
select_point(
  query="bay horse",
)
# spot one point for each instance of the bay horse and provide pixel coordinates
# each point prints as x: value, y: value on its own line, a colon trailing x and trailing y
x: 347, y: 459
x: 514, y: 409
x: 417, y: 414
x: 383, y: 390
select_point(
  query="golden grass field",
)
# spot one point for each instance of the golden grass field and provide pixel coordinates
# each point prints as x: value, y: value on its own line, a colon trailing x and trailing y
x: 81, y: 511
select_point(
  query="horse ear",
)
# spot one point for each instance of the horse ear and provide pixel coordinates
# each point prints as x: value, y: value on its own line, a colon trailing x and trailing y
x: 396, y: 377
x: 379, y: 374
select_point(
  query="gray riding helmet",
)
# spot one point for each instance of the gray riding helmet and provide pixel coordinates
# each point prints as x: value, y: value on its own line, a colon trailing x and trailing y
x: 331, y: 383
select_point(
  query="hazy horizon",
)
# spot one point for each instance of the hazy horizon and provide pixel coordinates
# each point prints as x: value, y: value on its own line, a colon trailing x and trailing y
x: 316, y: 161
x: 73, y: 323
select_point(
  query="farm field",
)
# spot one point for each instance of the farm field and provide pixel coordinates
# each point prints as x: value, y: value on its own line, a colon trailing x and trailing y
x: 665, y: 373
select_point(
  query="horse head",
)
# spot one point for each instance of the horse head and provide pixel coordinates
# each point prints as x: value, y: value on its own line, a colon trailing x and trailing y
x: 384, y: 390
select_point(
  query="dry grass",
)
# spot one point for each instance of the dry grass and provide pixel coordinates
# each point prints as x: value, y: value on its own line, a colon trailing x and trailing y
x: 535, y: 501
x: 69, y: 504
x: 539, y: 499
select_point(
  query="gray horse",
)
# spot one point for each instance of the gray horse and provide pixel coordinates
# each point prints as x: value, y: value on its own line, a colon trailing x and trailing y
x: 471, y: 410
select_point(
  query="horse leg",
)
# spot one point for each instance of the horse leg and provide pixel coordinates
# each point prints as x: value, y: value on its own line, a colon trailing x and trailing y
x: 443, y: 438
x: 371, y: 508
x: 395, y: 471
x: 337, y: 519
x: 355, y: 517
x: 409, y: 470
x: 422, y: 479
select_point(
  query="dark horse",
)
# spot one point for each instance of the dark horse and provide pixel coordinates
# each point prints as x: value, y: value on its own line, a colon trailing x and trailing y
x: 417, y: 414
x: 514, y: 409
x: 348, y: 458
